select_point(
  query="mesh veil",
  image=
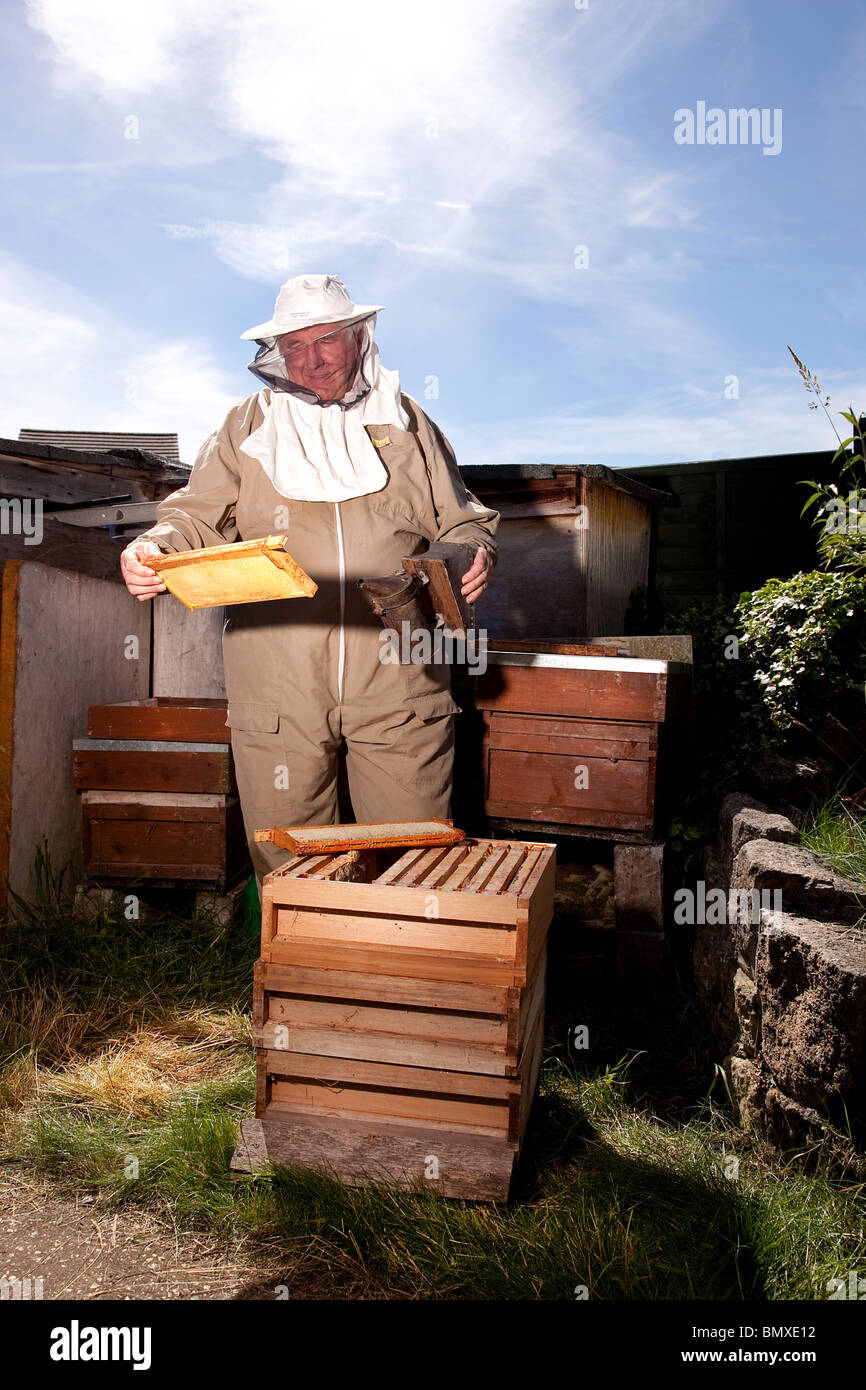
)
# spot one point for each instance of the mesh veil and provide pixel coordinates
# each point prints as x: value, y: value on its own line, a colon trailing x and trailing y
x: 270, y: 367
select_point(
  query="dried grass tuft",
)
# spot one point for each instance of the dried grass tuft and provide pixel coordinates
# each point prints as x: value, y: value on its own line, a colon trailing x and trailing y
x: 140, y: 1074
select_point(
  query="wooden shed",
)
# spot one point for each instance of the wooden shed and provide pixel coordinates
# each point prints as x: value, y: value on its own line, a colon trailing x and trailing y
x: 70, y: 634
x: 574, y: 541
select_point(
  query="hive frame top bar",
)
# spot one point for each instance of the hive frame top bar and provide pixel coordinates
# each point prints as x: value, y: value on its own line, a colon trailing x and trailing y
x: 337, y: 839
x: 475, y: 866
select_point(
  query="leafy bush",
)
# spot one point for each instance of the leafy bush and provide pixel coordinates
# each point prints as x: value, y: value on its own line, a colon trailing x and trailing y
x: 805, y: 640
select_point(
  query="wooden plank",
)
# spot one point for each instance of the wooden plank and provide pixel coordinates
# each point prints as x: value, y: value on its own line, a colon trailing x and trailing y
x: 167, y: 850
x: 200, y: 721
x: 529, y: 885
x: 540, y: 912
x: 67, y: 641
x: 150, y: 770
x: 528, y: 740
x: 300, y: 1097
x: 505, y: 871
x: 263, y: 1084
x: 617, y: 556
x: 359, y: 1154
x: 169, y: 806
x: 401, y: 866
x: 422, y: 867
x: 544, y: 781
x: 501, y: 722
x: 370, y: 1018
x: 443, y: 565
x: 559, y: 818
x: 566, y: 726
x: 370, y: 898
x: 486, y: 870
x: 412, y: 1052
x: 503, y: 644
x: 534, y: 997
x: 614, y: 693
x: 421, y: 964
x: 441, y: 871
x: 306, y: 865
x: 462, y: 872
x: 268, y: 918
x: 382, y: 1074
x: 472, y: 938
x: 187, y: 650
x: 471, y: 1167
x: 529, y: 1077
x: 27, y: 479
x: 532, y: 859
x: 92, y: 553
x: 393, y: 988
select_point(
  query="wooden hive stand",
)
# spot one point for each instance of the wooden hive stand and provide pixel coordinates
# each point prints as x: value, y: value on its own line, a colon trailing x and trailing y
x: 399, y: 1015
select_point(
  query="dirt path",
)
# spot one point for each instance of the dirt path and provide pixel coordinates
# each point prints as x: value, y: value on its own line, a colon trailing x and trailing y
x: 81, y: 1251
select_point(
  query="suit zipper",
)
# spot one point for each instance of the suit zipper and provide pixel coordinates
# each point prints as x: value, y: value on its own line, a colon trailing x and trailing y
x: 342, y: 659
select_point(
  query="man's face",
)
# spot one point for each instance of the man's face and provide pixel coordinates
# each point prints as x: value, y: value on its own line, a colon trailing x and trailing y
x: 323, y: 358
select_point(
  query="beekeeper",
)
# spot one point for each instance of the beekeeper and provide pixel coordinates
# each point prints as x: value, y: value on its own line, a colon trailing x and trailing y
x: 333, y: 454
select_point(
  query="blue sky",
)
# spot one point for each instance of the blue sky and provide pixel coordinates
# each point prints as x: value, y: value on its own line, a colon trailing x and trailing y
x: 169, y: 163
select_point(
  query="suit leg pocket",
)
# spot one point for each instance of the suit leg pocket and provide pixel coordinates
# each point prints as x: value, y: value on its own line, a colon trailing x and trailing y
x: 261, y: 764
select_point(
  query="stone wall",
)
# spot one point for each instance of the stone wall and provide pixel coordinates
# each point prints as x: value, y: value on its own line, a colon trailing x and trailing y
x: 783, y: 977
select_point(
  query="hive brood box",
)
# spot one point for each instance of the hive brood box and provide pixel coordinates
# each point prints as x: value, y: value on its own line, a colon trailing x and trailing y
x: 399, y: 1014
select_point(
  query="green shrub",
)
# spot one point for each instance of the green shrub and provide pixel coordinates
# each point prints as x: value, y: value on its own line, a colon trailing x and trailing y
x: 805, y: 641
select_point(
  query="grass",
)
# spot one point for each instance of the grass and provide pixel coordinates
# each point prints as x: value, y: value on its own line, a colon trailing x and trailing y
x: 126, y: 1068
x: 838, y: 832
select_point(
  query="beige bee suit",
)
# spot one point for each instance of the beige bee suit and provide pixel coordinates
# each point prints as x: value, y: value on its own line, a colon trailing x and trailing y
x: 303, y: 673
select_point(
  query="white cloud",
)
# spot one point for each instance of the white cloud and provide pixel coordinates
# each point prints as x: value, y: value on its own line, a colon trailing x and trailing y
x: 66, y: 363
x: 388, y: 123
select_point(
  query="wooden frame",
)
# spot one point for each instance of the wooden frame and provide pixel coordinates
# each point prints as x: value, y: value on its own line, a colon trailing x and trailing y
x: 337, y: 839
x: 245, y: 572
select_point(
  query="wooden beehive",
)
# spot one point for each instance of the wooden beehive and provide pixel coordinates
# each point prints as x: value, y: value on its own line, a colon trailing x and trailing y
x: 158, y: 795
x: 573, y: 741
x: 399, y: 1014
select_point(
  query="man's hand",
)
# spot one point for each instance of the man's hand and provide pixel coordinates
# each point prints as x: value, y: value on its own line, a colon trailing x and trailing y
x: 141, y: 581
x: 474, y: 581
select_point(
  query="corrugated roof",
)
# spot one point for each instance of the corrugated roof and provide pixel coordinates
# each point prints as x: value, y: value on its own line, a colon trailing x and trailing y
x: 163, y: 445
